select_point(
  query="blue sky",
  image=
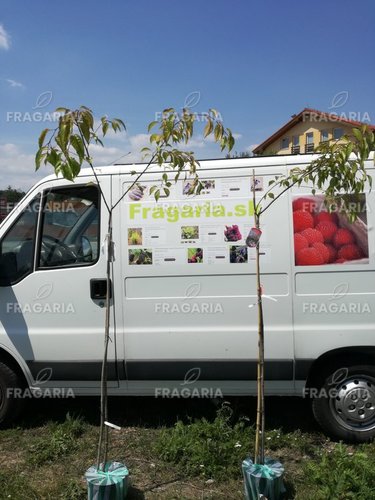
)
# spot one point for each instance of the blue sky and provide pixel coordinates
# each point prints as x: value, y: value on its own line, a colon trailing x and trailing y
x: 256, y: 62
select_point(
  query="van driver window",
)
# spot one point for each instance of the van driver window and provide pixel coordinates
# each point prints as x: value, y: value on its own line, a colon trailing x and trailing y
x: 70, y: 227
x: 17, y: 246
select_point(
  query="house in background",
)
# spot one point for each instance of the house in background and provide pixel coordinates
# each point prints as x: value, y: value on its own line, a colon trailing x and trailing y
x: 305, y: 131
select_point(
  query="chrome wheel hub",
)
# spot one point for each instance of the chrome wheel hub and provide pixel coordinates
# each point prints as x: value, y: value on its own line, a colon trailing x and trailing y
x: 354, y: 404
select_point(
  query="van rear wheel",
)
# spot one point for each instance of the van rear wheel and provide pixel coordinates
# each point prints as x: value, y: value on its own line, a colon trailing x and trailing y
x: 345, y: 404
x: 10, y: 404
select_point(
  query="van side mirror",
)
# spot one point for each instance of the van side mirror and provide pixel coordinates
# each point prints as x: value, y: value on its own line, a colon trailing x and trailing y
x: 8, y: 268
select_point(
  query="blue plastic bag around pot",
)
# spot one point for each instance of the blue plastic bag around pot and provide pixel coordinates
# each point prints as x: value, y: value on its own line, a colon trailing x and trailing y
x: 111, y: 483
x: 266, y: 480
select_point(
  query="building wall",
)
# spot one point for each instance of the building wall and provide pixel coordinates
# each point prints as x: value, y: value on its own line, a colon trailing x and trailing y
x: 300, y: 130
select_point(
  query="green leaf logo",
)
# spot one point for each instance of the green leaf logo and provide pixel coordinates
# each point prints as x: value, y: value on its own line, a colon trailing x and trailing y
x: 43, y: 376
x: 44, y: 291
x: 340, y: 291
x: 338, y: 376
x: 193, y: 291
x: 192, y: 99
x: 339, y: 100
x: 43, y: 100
x: 191, y: 376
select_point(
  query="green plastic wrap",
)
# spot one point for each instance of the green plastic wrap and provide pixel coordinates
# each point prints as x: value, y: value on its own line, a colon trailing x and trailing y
x: 111, y: 483
x: 263, y: 480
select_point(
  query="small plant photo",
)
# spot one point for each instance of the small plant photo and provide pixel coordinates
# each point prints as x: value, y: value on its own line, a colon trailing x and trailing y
x: 195, y: 255
x: 135, y: 236
x: 258, y: 183
x: 232, y: 233
x: 137, y: 192
x: 208, y: 184
x: 238, y: 254
x: 140, y: 256
x: 189, y: 232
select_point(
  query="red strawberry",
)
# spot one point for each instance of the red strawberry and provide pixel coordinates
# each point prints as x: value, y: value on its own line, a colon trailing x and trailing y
x: 327, y: 228
x: 306, y: 204
x: 312, y: 236
x: 302, y: 220
x: 343, y: 237
x: 309, y: 257
x: 299, y: 242
x: 332, y: 253
x: 349, y: 252
x: 325, y: 217
x: 339, y: 261
x: 323, y: 251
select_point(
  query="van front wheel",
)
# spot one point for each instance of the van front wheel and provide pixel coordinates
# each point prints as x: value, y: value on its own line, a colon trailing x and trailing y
x: 345, y: 404
x: 10, y: 402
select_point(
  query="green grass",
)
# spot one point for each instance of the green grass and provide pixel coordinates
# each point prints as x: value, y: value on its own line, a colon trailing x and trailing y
x: 210, y: 449
x: 56, y: 441
x: 190, y: 458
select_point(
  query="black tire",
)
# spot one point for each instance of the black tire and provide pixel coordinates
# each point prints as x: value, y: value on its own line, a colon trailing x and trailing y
x: 344, y: 405
x: 11, y: 403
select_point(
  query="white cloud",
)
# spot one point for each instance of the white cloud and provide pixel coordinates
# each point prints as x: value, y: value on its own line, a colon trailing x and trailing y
x: 4, y: 38
x: 251, y: 147
x: 15, y: 84
x: 18, y: 168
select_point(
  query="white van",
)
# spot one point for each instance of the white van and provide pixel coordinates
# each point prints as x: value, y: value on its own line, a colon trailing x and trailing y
x: 183, y: 291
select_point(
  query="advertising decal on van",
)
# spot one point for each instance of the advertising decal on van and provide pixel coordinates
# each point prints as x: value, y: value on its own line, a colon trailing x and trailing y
x: 324, y: 236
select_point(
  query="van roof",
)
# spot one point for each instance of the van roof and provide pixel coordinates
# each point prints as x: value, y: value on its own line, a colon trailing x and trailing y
x: 209, y: 164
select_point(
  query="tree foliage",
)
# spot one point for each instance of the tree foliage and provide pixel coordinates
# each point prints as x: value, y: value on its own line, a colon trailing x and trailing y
x: 66, y: 148
x: 338, y: 172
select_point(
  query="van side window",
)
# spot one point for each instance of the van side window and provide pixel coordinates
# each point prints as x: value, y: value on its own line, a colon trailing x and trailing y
x: 70, y: 227
x: 17, y: 246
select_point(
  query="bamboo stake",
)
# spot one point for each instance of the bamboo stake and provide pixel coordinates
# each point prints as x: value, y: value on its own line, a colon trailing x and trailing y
x: 103, y: 436
x: 260, y: 420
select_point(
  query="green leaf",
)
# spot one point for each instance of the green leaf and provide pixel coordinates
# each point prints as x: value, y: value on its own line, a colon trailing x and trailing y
x: 105, y: 127
x: 358, y: 134
x: 151, y: 125
x: 155, y: 138
x: 85, y: 129
x: 77, y: 144
x: 43, y: 136
x: 75, y: 166
x: 208, y: 128
x: 39, y: 157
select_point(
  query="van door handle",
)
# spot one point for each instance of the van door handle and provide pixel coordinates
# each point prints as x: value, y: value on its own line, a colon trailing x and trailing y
x: 98, y: 289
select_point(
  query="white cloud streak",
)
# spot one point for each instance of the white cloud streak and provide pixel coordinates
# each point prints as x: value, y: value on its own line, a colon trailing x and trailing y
x: 4, y: 38
x: 15, y: 84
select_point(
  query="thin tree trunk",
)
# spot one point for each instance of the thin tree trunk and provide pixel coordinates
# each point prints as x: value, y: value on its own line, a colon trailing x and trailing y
x: 259, y: 431
x: 103, y: 435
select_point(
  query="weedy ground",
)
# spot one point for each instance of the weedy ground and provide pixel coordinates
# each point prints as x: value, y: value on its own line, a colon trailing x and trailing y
x: 177, y: 449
